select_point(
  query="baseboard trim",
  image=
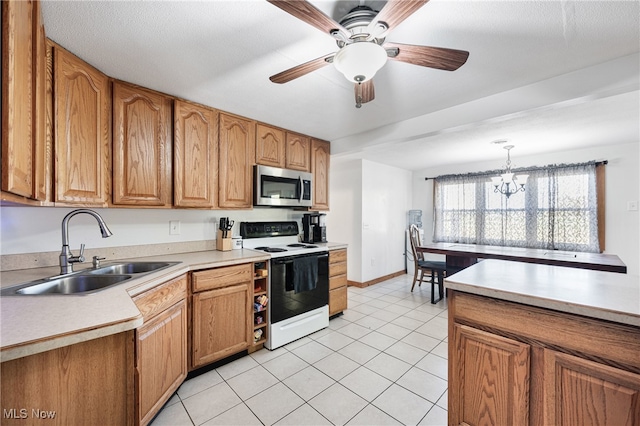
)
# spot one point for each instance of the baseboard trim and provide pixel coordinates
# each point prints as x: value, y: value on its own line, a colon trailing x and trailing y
x: 375, y: 281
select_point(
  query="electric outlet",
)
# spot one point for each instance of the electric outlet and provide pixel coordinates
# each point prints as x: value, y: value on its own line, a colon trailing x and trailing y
x: 632, y: 206
x: 174, y: 227
x: 373, y: 261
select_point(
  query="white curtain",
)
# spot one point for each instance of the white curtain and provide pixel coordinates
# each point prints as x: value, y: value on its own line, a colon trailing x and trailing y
x: 558, y: 209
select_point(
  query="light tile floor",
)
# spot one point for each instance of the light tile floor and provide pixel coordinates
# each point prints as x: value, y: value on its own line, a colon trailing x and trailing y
x: 384, y: 362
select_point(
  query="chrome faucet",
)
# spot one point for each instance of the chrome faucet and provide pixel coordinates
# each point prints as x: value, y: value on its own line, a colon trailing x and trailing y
x: 67, y: 259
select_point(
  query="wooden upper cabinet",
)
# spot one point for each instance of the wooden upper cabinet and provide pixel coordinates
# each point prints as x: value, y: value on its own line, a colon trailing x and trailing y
x: 298, y: 152
x: 82, y: 132
x: 270, y: 146
x: 25, y: 158
x: 237, y: 156
x: 320, y: 157
x: 195, y: 156
x: 142, y: 128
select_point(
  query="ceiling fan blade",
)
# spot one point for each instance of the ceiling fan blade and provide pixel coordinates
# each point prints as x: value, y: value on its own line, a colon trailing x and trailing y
x: 365, y: 92
x: 394, y: 12
x: 433, y: 57
x: 308, y: 13
x: 300, y: 70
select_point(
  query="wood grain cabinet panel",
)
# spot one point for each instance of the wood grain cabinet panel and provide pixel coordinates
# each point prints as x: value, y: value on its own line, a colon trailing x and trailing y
x: 195, y: 156
x: 221, y: 323
x: 82, y: 110
x: 237, y: 156
x: 26, y: 170
x: 337, y: 281
x: 161, y: 359
x: 320, y: 159
x: 142, y: 160
x: 160, y: 346
x: 581, y: 392
x: 270, y: 146
x: 87, y: 383
x: 510, y: 363
x: 298, y: 155
x: 495, y: 389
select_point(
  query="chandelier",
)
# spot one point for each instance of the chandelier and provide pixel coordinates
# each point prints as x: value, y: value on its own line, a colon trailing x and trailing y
x: 508, y: 183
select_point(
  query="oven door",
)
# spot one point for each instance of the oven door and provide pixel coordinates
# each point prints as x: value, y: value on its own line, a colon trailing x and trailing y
x: 293, y: 290
x: 282, y: 187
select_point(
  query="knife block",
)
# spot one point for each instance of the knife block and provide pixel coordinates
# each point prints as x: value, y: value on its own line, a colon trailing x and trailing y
x: 224, y: 244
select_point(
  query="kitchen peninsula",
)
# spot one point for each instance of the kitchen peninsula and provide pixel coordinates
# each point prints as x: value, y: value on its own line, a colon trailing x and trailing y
x: 541, y: 344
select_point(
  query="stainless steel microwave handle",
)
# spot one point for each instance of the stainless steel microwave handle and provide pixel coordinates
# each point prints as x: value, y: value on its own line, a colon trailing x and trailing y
x: 301, y: 189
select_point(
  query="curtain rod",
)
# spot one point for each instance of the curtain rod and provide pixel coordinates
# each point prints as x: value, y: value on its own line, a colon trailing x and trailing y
x: 598, y: 163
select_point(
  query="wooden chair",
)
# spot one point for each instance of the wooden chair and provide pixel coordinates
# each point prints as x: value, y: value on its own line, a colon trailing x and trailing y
x: 424, y: 268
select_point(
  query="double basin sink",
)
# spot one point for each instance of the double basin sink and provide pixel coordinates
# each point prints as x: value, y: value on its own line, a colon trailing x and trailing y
x: 86, y: 281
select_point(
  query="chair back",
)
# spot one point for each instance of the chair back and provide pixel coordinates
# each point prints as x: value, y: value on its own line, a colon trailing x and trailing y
x: 414, y: 236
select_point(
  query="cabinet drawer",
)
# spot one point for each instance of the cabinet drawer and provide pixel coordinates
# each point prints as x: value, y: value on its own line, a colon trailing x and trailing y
x: 337, y: 256
x: 337, y: 269
x: 337, y: 281
x: 337, y: 300
x: 221, y: 277
x: 158, y: 299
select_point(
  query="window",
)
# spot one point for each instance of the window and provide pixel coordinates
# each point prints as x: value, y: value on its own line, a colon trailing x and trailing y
x: 558, y: 210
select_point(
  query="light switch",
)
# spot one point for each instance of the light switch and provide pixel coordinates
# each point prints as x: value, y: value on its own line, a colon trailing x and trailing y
x: 632, y: 206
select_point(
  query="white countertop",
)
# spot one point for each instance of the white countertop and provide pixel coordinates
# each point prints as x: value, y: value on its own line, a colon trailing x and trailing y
x: 33, y: 324
x: 604, y: 295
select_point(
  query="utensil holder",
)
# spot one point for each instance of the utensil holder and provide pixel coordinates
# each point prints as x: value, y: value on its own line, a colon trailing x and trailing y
x: 223, y: 244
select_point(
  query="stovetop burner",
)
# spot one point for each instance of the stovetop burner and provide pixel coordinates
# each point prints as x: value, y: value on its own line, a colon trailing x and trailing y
x: 271, y: 249
x: 301, y: 245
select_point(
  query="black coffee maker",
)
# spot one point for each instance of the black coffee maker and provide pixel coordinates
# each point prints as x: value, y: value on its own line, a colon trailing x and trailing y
x: 314, y: 229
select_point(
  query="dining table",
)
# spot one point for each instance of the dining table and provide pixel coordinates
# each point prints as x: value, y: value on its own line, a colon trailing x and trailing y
x: 460, y: 256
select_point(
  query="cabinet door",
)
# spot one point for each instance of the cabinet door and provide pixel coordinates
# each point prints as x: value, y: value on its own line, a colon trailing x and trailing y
x: 222, y: 323
x: 161, y: 359
x: 43, y: 151
x: 237, y: 155
x: 141, y: 147
x: 582, y: 392
x: 488, y: 379
x: 298, y: 152
x: 337, y: 300
x: 270, y: 142
x: 18, y: 155
x: 320, y: 153
x: 195, y: 156
x: 82, y: 105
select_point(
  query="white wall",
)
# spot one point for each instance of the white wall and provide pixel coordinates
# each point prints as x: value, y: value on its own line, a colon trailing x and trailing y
x: 345, y: 218
x: 38, y: 229
x: 369, y: 204
x: 622, y: 227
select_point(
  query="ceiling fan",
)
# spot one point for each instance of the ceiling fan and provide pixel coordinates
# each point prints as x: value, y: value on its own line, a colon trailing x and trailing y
x: 363, y: 49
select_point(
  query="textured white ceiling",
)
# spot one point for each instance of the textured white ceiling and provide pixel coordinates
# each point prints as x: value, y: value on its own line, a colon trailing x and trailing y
x: 533, y: 72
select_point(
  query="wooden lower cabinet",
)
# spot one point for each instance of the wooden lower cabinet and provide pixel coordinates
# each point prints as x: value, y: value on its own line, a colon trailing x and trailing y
x: 221, y: 313
x: 161, y: 347
x: 580, y: 392
x: 337, y: 281
x: 517, y: 364
x: 491, y: 365
x: 88, y: 383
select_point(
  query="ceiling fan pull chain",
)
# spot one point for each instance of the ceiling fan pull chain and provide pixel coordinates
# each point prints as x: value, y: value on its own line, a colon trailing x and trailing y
x: 359, y: 95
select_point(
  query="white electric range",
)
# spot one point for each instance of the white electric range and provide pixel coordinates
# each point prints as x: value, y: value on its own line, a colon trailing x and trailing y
x: 298, y: 288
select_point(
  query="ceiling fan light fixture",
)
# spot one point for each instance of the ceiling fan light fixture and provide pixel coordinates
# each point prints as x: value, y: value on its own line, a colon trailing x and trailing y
x: 360, y: 61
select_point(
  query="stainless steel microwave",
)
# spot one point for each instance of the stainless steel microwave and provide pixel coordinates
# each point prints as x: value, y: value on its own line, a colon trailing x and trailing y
x: 281, y: 187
